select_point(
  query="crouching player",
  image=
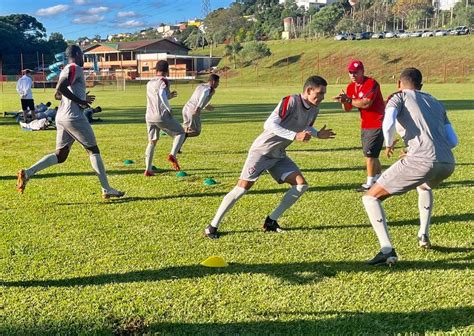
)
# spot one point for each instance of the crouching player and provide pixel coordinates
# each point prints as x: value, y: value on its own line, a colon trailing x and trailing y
x: 421, y: 121
x: 291, y: 120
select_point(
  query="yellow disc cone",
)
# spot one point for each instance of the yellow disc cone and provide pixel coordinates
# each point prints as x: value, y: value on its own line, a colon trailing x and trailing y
x: 215, y: 261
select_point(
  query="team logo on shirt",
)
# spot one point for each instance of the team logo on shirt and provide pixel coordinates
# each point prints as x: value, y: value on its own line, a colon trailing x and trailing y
x: 361, y: 94
x: 252, y: 170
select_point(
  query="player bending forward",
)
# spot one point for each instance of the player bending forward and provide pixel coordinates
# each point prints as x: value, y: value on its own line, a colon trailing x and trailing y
x: 72, y: 125
x: 291, y: 120
x: 421, y: 121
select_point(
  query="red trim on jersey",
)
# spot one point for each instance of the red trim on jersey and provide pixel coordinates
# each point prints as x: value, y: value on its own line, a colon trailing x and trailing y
x: 284, y: 107
x: 165, y: 80
x: 390, y: 96
x: 72, y: 74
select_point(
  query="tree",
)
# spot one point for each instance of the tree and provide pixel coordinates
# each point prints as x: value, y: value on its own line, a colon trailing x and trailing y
x: 326, y: 19
x: 26, y: 25
x: 463, y: 15
x: 232, y: 51
x: 253, y: 51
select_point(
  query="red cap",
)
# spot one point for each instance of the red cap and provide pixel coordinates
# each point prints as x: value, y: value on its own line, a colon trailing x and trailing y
x: 355, y: 66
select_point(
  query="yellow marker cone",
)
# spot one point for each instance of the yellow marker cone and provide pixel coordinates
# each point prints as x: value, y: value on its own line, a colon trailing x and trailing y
x: 215, y: 261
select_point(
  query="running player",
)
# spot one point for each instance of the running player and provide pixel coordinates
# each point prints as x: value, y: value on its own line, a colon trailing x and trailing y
x: 158, y: 117
x: 422, y: 122
x: 199, y: 100
x: 291, y: 120
x: 364, y: 93
x: 72, y: 125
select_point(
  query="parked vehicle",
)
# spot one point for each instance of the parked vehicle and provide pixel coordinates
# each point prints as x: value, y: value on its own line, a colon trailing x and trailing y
x: 379, y: 35
x: 440, y: 32
x: 351, y: 36
x: 341, y: 37
x: 427, y: 33
x: 417, y: 33
x: 364, y: 36
x: 460, y: 30
x: 390, y: 34
x: 405, y: 35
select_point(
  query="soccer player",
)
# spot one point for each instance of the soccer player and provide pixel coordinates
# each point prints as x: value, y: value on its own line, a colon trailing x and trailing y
x: 364, y: 93
x: 158, y: 117
x: 72, y: 125
x: 199, y: 100
x: 23, y: 87
x: 42, y: 107
x: 291, y: 120
x: 422, y: 122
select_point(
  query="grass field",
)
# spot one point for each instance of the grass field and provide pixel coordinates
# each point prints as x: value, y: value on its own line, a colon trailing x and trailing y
x: 72, y: 263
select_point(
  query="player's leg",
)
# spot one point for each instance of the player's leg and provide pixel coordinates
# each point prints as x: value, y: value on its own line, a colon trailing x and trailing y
x: 192, y: 127
x: 285, y: 170
x: 174, y: 129
x: 153, y: 137
x: 372, y: 142
x: 64, y: 142
x: 31, y: 106
x: 24, y: 108
x: 254, y: 166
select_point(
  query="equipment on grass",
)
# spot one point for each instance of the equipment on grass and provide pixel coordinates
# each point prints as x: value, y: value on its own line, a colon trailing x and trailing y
x: 181, y: 174
x: 209, y: 181
x: 215, y: 261
x: 55, y: 68
x: 128, y: 162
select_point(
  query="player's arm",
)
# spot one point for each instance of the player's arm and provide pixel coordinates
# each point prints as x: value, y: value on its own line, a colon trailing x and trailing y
x: 345, y: 101
x: 282, y: 111
x: 202, y: 101
x: 450, y: 133
x: 393, y: 108
x: 65, y: 80
x: 163, y: 93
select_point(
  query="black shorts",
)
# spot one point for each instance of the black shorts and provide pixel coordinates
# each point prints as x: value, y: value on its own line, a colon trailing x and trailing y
x: 27, y: 103
x: 372, y: 142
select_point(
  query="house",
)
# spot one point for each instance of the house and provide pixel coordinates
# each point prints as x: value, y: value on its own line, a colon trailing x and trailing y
x: 307, y: 4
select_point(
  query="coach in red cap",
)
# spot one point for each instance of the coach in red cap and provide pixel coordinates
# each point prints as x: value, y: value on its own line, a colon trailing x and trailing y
x: 364, y: 93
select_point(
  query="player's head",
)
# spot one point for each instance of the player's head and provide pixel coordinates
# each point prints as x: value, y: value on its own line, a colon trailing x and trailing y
x: 162, y: 67
x: 411, y: 78
x: 314, y: 89
x: 214, y: 80
x: 98, y: 109
x: 75, y: 55
x: 27, y: 72
x: 48, y: 104
x: 356, y: 71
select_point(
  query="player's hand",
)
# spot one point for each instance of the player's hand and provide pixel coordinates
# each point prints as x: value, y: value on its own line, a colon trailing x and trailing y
x: 89, y: 98
x: 58, y: 96
x: 389, y: 149
x: 324, y: 133
x: 173, y: 94
x: 209, y: 108
x: 303, y: 136
x: 403, y: 153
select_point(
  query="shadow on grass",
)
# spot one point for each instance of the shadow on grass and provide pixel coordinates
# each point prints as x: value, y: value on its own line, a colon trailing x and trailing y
x: 293, y: 273
x: 274, y: 323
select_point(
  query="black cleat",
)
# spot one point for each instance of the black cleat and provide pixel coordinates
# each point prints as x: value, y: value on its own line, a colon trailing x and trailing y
x: 211, y: 232
x: 363, y: 188
x: 424, y: 242
x: 271, y: 225
x: 382, y: 258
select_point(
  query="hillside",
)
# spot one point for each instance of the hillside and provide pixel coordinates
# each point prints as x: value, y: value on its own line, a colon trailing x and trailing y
x: 442, y: 59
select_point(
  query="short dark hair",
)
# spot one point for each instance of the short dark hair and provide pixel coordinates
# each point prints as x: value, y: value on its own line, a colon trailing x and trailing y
x: 72, y: 50
x: 162, y: 66
x: 48, y: 104
x: 412, y: 76
x: 213, y: 78
x: 27, y: 71
x: 98, y: 109
x: 314, y: 81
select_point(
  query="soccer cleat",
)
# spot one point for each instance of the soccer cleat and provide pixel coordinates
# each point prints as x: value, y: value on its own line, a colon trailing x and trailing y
x: 384, y: 258
x: 174, y: 162
x: 363, y: 188
x: 211, y: 232
x: 111, y: 193
x: 271, y: 225
x: 424, y: 242
x: 149, y: 173
x: 21, y: 181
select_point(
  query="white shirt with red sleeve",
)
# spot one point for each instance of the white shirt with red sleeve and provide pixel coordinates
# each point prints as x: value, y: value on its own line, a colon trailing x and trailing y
x: 69, y: 110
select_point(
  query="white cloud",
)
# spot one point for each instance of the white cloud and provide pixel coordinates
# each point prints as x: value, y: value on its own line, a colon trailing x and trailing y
x: 88, y: 19
x: 126, y: 14
x: 52, y: 10
x: 81, y: 2
x: 130, y: 24
x: 97, y: 10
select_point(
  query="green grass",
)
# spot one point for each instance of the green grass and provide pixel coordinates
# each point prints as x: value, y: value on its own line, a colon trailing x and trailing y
x: 71, y: 263
x: 441, y: 59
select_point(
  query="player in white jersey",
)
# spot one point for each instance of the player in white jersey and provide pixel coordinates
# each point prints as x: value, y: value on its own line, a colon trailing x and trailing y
x: 291, y: 120
x: 158, y: 117
x: 199, y: 100
x: 421, y: 121
x: 72, y: 125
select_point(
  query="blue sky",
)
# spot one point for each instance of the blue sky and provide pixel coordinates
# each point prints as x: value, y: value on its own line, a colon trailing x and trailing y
x: 77, y: 18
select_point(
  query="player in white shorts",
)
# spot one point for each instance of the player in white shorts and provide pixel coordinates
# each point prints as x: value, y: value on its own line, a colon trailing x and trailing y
x: 158, y: 117
x: 421, y: 121
x: 72, y: 125
x: 199, y: 100
x: 291, y: 120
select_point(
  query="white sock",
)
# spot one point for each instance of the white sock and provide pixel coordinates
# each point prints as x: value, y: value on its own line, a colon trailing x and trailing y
x: 290, y: 197
x: 227, y: 203
x: 99, y: 168
x: 177, y: 143
x: 425, y: 206
x: 370, y: 180
x: 374, y: 210
x: 45, y: 162
x: 150, y: 150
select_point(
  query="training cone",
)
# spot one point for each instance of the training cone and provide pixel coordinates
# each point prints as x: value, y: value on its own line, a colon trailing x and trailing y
x: 209, y: 181
x: 155, y: 168
x: 215, y: 261
x: 128, y: 162
x: 181, y: 174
